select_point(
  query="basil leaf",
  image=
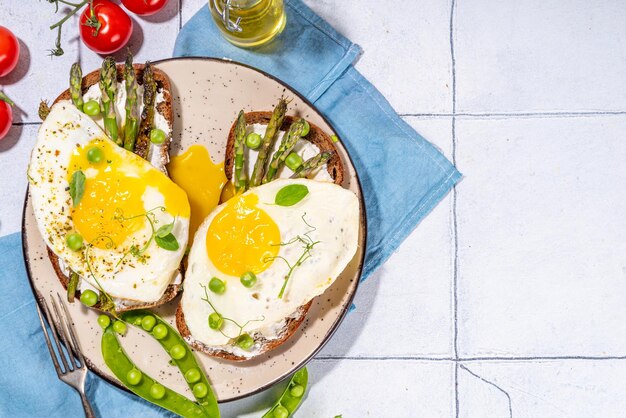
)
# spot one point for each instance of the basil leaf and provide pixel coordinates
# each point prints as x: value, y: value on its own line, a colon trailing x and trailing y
x: 167, y: 242
x: 164, y: 230
x: 290, y: 195
x: 77, y: 187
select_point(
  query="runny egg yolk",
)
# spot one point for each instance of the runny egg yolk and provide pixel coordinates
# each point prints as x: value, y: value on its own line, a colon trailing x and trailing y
x: 202, y: 179
x: 242, y: 237
x: 112, y: 205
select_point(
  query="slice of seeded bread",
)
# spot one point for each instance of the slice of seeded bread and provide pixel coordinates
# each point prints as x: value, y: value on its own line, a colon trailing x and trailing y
x: 165, y: 109
x: 336, y: 170
x: 316, y: 136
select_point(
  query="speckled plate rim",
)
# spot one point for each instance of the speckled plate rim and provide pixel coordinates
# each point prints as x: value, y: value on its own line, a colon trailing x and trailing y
x: 362, y: 224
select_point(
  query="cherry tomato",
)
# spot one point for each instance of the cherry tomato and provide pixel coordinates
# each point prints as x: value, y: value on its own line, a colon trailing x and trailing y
x: 107, y: 29
x: 6, y: 118
x: 9, y: 51
x: 144, y: 7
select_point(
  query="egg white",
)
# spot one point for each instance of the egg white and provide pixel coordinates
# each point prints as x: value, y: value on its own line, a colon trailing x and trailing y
x: 60, y: 133
x: 330, y: 209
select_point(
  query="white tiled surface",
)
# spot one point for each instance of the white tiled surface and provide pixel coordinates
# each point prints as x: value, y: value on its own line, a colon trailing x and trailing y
x: 508, y: 299
x: 540, y: 55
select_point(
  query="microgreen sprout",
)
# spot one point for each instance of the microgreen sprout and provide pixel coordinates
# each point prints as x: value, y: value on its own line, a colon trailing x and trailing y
x: 307, y: 245
x: 219, y: 328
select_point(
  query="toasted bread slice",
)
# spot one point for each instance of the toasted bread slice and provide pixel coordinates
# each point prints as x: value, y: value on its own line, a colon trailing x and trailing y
x: 335, y: 169
x: 159, y: 158
x: 316, y: 136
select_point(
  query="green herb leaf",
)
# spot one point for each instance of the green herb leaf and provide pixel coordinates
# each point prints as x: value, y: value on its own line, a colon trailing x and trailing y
x: 77, y: 187
x: 168, y: 242
x: 164, y: 230
x: 290, y: 195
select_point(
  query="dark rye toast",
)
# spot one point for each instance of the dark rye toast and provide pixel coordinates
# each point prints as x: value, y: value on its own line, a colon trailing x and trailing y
x: 165, y: 109
x: 336, y: 170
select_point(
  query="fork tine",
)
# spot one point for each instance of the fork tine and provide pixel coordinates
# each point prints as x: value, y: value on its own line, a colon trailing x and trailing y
x: 57, y: 367
x: 55, y: 335
x: 70, y: 328
x: 61, y: 331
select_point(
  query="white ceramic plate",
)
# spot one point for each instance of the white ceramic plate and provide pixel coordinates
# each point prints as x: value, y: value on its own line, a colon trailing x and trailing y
x: 207, y: 95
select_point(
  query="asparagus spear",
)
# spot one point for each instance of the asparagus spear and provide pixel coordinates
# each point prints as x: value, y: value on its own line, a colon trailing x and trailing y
x: 76, y: 79
x: 131, y: 125
x: 312, y: 164
x: 240, y: 134
x: 268, y: 140
x: 71, y: 286
x: 108, y: 87
x: 142, y: 144
x: 289, y: 141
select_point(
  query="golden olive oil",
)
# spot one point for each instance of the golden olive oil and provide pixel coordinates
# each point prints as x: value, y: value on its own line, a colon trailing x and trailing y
x: 249, y: 23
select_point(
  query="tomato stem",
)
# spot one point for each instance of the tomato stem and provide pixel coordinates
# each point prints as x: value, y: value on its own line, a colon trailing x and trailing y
x: 5, y: 98
x: 68, y: 3
x: 57, y: 51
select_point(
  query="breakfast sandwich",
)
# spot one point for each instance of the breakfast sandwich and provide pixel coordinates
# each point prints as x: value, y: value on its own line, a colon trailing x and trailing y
x: 285, y: 232
x: 115, y: 225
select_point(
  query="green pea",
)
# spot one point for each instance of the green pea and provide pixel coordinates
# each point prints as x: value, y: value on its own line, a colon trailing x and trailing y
x: 91, y: 108
x: 148, y: 322
x: 157, y: 136
x: 157, y: 391
x: 281, y: 412
x: 104, y: 321
x: 95, y: 155
x: 192, y: 375
x: 134, y: 377
x: 217, y: 286
x: 300, y: 374
x: 216, y: 321
x: 334, y: 138
x: 293, y: 161
x: 200, y: 390
x: 245, y: 341
x: 74, y: 241
x: 159, y: 331
x: 305, y: 129
x: 89, y: 297
x: 248, y: 279
x: 177, y: 352
x: 253, y: 140
x: 296, y: 391
x: 119, y: 327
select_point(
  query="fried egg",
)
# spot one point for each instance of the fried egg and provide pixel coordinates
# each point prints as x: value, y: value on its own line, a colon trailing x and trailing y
x: 296, y: 252
x: 124, y: 204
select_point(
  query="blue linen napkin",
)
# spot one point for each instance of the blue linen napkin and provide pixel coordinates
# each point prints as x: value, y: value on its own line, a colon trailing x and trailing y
x: 383, y: 147
x: 402, y: 175
x: 29, y: 386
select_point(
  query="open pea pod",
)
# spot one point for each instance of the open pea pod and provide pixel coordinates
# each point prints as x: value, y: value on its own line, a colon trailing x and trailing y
x: 146, y: 387
x: 291, y: 397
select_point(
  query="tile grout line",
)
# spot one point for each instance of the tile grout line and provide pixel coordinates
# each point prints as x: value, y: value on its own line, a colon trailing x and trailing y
x: 472, y: 115
x: 498, y: 115
x: 180, y: 15
x: 25, y: 123
x: 460, y: 360
x: 454, y: 220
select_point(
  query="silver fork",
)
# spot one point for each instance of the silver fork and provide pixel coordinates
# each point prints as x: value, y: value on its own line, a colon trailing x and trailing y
x: 74, y: 370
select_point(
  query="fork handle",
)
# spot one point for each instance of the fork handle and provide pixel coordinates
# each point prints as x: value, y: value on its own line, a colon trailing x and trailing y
x: 87, y: 407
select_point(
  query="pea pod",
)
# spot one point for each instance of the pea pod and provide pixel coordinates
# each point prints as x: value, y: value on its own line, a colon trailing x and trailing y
x: 181, y: 354
x: 291, y: 397
x: 122, y: 367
